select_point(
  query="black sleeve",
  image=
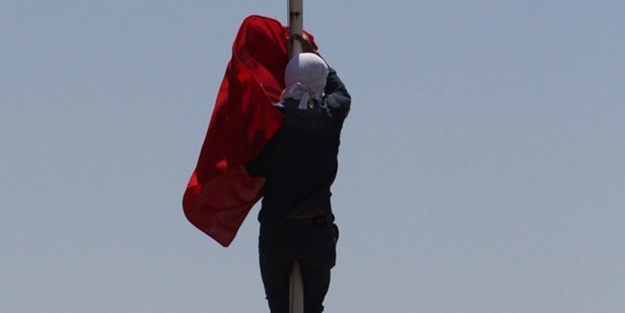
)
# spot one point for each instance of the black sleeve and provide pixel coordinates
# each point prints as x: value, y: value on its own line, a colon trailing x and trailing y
x: 337, y: 97
x: 255, y: 167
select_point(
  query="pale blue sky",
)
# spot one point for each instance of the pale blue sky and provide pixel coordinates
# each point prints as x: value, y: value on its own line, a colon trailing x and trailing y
x: 481, y: 168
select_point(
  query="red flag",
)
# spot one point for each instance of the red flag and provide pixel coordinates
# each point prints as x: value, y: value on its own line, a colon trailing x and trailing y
x: 220, y: 193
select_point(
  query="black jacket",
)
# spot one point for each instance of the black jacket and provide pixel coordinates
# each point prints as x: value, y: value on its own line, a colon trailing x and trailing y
x: 300, y: 161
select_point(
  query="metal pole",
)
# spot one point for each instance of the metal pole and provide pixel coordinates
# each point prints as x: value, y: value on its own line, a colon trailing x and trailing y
x: 296, y: 25
x: 296, y: 30
x: 296, y: 290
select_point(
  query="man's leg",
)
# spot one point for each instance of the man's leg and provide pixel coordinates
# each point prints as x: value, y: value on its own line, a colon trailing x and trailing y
x: 276, y: 262
x: 316, y: 263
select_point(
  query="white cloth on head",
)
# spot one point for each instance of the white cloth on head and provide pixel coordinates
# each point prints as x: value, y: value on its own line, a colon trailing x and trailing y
x: 305, y: 79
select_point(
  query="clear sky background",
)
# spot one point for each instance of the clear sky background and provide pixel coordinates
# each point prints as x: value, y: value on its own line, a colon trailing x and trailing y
x: 481, y: 168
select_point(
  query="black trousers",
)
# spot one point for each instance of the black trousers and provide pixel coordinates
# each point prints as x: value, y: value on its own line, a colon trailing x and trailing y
x: 313, y: 246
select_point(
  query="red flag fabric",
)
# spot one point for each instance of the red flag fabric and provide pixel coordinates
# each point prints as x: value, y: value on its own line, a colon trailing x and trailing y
x: 220, y: 193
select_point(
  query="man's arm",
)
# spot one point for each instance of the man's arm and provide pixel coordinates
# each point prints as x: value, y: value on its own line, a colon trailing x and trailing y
x: 255, y: 167
x: 337, y: 97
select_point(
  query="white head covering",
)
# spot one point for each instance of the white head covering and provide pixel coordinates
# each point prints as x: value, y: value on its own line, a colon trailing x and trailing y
x: 305, y: 79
